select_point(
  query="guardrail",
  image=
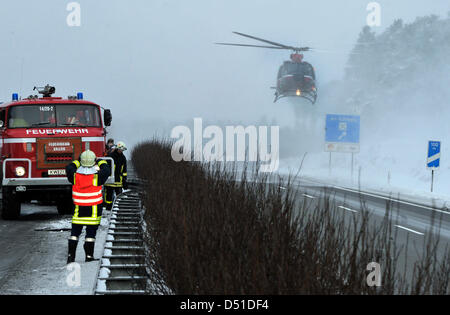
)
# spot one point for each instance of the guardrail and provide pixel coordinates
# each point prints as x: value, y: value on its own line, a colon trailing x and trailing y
x: 123, y: 269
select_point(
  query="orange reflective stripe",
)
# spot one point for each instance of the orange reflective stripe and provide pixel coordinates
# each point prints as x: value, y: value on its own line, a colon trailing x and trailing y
x: 85, y: 194
x: 87, y: 202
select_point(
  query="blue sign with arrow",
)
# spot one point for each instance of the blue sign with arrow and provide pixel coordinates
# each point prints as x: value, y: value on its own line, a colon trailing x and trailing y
x: 434, y: 154
x: 342, y: 133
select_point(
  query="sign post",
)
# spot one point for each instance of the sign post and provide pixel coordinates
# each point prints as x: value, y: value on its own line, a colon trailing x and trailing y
x: 342, y: 135
x: 352, y: 164
x: 329, y: 166
x: 433, y: 158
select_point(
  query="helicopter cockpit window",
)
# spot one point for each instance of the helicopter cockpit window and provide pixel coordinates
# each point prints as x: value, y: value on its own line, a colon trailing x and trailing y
x: 308, y: 70
x: 294, y: 68
x: 303, y: 68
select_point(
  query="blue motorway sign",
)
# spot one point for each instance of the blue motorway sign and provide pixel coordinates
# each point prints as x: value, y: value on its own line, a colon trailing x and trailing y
x: 434, y: 154
x: 342, y: 133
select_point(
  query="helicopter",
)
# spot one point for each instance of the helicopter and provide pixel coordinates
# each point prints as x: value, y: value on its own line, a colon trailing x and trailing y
x: 296, y: 77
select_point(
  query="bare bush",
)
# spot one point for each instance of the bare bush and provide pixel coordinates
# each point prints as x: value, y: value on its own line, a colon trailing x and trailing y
x: 215, y: 231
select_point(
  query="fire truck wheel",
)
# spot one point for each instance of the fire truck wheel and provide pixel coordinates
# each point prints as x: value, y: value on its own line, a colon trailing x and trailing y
x: 10, y: 204
x: 65, y: 206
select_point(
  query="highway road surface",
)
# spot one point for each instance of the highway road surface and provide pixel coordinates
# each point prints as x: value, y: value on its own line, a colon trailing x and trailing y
x: 33, y: 254
x: 413, y: 224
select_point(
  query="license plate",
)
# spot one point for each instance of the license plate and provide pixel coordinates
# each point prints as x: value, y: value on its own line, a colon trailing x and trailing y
x: 21, y: 188
x: 56, y: 172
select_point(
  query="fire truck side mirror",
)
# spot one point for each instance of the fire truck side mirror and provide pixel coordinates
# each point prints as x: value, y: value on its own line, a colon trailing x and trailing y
x: 1, y: 123
x: 107, y: 117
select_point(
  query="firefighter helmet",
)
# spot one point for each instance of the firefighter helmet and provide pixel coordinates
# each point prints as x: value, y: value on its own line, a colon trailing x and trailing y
x: 121, y: 146
x: 87, y: 158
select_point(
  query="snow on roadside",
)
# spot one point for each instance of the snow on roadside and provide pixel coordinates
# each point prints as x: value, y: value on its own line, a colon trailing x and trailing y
x: 101, y: 285
x: 400, y: 181
x: 61, y: 224
x: 104, y: 272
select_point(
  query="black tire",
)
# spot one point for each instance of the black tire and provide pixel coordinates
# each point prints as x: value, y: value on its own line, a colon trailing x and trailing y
x: 10, y: 204
x: 65, y: 205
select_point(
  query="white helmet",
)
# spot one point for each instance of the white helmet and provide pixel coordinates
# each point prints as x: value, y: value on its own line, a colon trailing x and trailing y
x: 87, y: 158
x: 121, y: 146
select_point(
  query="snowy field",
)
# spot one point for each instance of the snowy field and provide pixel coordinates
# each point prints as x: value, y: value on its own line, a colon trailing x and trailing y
x: 381, y: 175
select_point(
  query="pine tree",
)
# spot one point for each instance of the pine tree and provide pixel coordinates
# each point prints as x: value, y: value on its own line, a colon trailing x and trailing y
x: 357, y: 66
x: 403, y: 64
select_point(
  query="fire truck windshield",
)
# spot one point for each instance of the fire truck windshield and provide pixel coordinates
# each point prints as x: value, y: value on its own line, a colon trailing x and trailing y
x: 62, y: 115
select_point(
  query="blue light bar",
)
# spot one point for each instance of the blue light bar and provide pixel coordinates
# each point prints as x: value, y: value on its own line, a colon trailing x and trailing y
x: 79, y: 96
x: 15, y: 97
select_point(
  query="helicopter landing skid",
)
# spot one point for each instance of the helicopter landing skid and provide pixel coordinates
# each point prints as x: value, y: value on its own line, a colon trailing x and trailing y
x: 311, y: 98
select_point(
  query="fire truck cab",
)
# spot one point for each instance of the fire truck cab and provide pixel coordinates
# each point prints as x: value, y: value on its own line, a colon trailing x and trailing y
x: 39, y: 136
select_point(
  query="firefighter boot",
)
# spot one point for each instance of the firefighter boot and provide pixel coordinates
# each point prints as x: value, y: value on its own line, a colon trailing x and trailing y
x: 89, y: 244
x: 73, y: 242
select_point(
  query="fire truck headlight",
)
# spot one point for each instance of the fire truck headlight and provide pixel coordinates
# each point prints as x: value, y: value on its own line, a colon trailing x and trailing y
x: 20, y: 171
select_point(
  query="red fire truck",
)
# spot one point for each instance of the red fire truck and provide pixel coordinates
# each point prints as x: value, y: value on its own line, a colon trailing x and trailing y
x: 39, y: 137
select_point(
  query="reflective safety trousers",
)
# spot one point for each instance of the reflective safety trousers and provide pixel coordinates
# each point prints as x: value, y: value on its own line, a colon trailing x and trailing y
x: 87, y: 215
x: 119, y: 176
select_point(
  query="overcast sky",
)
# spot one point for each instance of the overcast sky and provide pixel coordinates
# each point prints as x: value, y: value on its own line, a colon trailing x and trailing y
x: 155, y: 60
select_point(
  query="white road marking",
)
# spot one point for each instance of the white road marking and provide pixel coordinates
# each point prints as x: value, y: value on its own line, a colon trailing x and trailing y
x: 391, y: 199
x: 405, y: 228
x: 308, y: 196
x: 348, y: 209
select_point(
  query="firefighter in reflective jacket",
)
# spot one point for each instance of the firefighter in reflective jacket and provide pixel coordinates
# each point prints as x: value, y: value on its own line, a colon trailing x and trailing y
x: 87, y: 177
x: 120, y: 174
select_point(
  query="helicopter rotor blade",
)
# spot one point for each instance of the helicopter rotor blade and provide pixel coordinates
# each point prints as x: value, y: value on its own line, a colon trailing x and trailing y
x: 244, y: 45
x: 327, y: 51
x: 274, y: 43
x: 265, y: 41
